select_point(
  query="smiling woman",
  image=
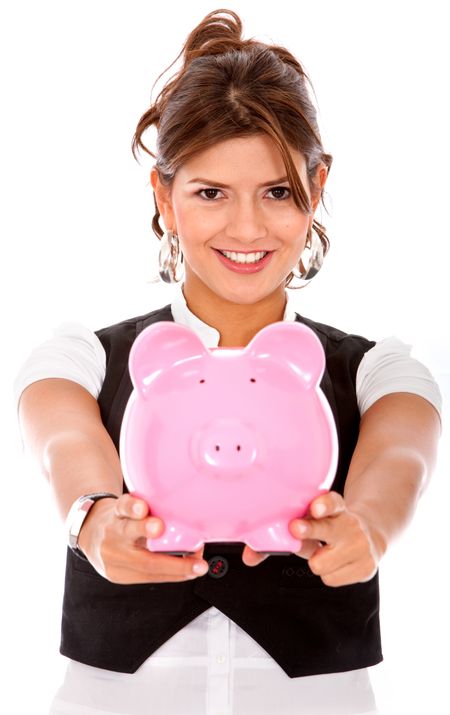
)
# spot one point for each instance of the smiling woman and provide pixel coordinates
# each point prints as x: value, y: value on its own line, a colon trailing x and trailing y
x: 243, y: 218
x: 239, y: 173
x: 229, y: 88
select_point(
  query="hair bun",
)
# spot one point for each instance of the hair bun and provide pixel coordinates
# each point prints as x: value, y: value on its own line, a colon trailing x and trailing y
x: 215, y: 34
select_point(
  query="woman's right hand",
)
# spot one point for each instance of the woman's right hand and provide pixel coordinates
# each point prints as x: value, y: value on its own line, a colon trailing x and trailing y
x: 113, y: 538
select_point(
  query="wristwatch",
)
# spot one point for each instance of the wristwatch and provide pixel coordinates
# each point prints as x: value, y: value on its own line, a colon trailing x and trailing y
x: 76, y: 516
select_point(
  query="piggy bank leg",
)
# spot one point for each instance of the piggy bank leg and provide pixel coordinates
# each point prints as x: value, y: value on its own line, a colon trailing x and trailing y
x: 177, y: 540
x: 273, y: 539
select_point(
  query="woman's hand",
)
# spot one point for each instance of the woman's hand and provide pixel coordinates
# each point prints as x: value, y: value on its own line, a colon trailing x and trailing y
x: 351, y: 550
x: 113, y: 538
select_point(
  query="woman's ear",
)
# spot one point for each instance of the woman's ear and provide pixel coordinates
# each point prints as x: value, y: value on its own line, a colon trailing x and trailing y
x: 319, y: 182
x: 163, y: 199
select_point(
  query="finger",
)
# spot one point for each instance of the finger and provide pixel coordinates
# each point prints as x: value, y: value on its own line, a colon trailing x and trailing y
x: 251, y: 557
x: 130, y: 507
x: 164, y: 567
x: 350, y: 573
x: 135, y: 563
x: 325, y: 505
x: 309, y: 547
x: 139, y: 530
x: 197, y: 554
x: 138, y: 570
x: 320, y: 530
x: 353, y: 549
x: 327, y: 559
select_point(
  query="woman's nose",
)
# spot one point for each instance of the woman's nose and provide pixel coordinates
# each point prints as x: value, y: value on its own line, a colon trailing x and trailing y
x: 246, y: 221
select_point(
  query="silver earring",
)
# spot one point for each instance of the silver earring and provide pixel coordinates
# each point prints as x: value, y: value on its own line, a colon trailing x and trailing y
x: 314, y: 259
x: 170, y: 258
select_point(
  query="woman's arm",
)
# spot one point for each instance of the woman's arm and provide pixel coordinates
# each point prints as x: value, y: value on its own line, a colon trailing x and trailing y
x: 62, y: 428
x: 392, y: 463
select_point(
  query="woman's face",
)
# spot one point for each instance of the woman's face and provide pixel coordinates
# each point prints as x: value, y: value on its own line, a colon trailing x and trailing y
x: 233, y: 197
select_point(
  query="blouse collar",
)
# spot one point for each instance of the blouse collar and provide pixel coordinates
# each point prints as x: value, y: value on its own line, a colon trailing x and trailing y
x: 209, y: 335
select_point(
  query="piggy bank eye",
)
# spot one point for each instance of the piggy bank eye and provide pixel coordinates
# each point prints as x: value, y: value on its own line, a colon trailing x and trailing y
x: 252, y: 379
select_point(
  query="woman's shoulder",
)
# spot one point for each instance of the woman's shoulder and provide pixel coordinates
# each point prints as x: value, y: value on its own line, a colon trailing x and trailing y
x: 390, y: 366
x: 336, y: 338
x: 134, y: 324
x: 79, y: 353
x: 73, y: 352
x: 380, y: 367
x: 376, y: 351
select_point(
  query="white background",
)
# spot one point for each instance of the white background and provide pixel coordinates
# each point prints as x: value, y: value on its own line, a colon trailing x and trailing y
x: 77, y: 244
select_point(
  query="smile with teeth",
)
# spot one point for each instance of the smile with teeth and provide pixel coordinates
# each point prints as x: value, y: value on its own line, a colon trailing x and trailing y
x: 244, y: 257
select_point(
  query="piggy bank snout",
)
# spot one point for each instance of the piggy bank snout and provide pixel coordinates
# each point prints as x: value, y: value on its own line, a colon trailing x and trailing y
x: 225, y: 446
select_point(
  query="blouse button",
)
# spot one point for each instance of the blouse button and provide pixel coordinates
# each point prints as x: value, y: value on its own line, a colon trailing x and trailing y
x: 218, y: 566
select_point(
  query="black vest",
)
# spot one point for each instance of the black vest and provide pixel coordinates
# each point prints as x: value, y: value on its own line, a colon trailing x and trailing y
x: 305, y: 626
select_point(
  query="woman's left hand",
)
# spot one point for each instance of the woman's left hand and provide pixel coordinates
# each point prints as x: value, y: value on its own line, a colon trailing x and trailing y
x: 351, y: 548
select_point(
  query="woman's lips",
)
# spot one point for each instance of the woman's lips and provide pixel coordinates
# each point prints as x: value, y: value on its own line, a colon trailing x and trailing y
x: 244, y: 267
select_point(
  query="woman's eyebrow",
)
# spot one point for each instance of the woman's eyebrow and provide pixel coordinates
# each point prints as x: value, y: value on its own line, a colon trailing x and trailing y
x: 199, y: 180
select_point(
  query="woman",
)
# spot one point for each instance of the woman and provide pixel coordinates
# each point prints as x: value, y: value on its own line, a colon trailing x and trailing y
x: 240, y: 171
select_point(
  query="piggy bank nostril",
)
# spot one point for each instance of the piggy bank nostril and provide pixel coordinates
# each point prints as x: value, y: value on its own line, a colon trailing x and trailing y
x: 217, y: 447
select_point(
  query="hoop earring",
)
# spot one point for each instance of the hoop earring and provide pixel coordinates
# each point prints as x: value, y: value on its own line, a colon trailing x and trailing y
x: 170, y: 258
x: 314, y: 260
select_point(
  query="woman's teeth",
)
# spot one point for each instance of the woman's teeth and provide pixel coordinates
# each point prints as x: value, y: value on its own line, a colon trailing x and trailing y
x: 244, y: 257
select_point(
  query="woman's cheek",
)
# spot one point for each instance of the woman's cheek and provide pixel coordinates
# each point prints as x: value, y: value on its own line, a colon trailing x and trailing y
x: 197, y: 223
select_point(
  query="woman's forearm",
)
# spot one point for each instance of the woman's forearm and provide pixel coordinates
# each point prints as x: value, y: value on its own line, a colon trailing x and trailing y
x: 393, y: 462
x: 62, y: 429
x: 386, y: 493
x: 76, y: 464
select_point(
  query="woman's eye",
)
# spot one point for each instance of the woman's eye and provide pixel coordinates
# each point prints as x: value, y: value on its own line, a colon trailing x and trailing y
x: 283, y: 189
x: 208, y: 192
x: 211, y: 194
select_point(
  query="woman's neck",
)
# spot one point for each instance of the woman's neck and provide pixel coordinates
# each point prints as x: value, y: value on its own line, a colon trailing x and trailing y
x: 236, y: 323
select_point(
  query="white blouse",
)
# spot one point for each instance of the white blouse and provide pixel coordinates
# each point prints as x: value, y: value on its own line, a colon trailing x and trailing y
x: 212, y: 666
x: 76, y: 353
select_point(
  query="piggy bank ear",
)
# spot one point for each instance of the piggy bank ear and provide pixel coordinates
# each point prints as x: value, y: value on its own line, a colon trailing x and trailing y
x: 157, y: 348
x: 294, y: 344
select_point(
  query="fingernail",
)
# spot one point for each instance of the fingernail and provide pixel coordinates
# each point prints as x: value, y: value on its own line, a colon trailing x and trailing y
x: 200, y: 569
x: 153, y: 527
x: 302, y: 529
x: 138, y: 509
x: 320, y: 509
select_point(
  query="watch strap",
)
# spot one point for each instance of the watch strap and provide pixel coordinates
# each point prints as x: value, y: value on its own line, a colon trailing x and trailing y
x: 78, y: 513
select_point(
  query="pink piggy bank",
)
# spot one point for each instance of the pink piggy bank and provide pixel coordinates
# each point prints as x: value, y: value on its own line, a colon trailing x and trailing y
x: 227, y: 444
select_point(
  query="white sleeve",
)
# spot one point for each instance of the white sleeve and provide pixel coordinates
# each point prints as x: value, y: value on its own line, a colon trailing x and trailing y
x: 74, y: 352
x: 388, y: 367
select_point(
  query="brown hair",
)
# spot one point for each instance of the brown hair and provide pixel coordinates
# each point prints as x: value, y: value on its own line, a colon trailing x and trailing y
x: 230, y: 87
